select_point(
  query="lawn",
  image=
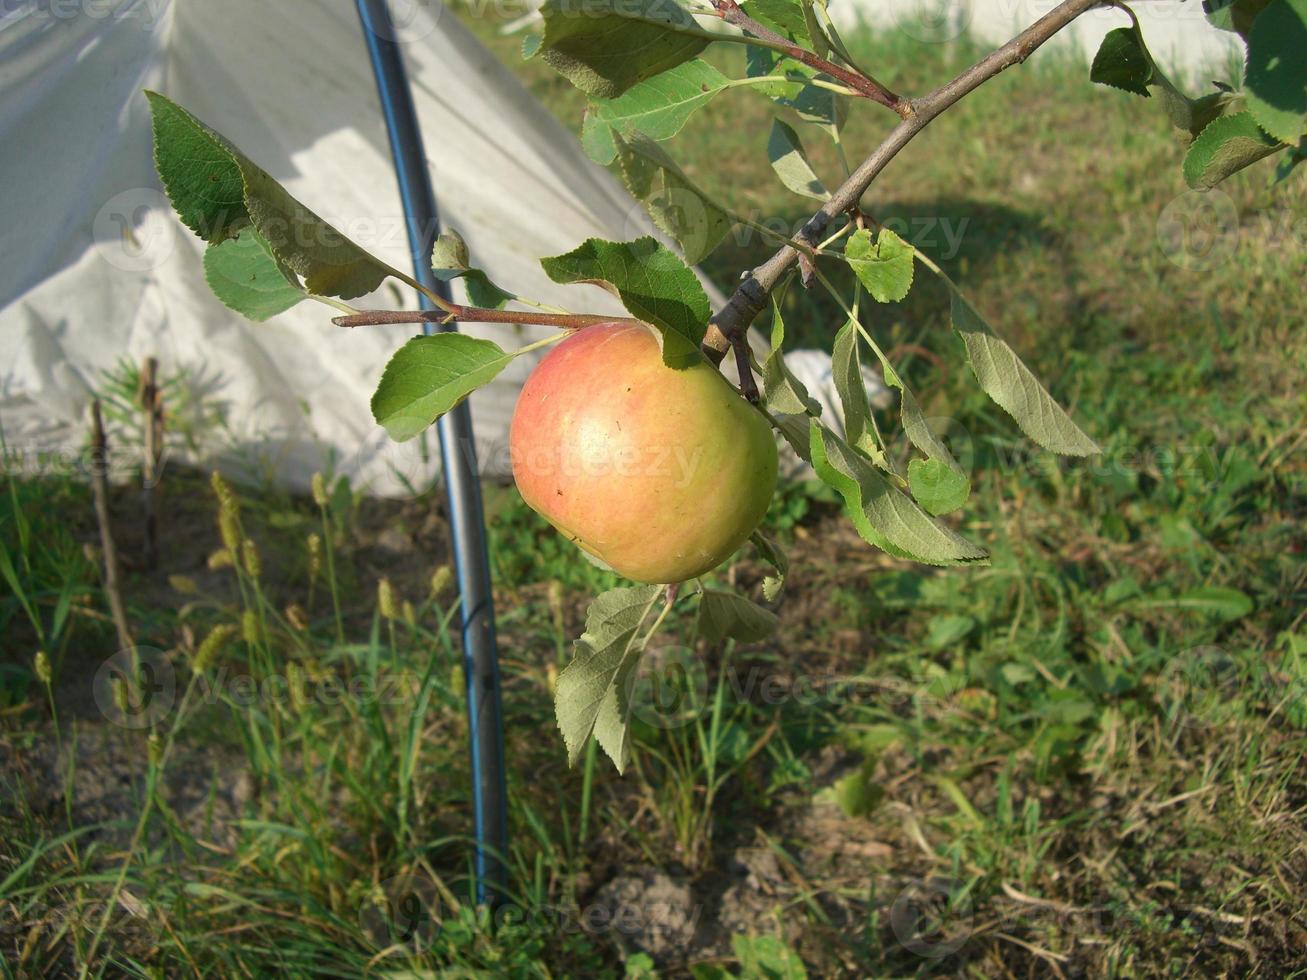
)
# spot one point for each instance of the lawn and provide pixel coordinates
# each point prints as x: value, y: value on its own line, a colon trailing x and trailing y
x: 1084, y: 759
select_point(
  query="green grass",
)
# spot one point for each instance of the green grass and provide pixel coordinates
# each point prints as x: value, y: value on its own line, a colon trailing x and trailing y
x: 1086, y: 757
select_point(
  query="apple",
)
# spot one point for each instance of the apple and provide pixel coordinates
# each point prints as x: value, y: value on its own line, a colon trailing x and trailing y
x: 659, y: 473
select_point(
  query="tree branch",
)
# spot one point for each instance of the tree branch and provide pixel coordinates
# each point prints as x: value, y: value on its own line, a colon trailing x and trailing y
x: 749, y: 298
x: 476, y: 314
x: 867, y: 87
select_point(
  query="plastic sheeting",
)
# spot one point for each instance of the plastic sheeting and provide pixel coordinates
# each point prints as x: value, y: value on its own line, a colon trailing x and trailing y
x: 95, y: 268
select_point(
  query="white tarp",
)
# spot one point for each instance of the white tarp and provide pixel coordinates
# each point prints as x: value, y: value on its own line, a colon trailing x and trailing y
x: 94, y: 266
x: 1179, y: 37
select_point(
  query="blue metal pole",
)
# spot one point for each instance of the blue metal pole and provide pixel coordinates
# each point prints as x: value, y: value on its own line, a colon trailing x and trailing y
x: 458, y: 459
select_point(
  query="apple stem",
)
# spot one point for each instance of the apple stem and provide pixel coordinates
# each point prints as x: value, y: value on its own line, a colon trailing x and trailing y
x: 748, y: 387
x: 477, y: 314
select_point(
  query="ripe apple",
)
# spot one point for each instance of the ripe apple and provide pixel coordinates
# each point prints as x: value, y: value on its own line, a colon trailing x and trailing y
x: 660, y: 473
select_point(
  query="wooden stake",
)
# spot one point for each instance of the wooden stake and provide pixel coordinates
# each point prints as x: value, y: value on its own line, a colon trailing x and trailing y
x: 100, y: 491
x: 152, y: 403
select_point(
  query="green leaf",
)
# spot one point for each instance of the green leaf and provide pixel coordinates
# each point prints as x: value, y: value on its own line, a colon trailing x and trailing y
x: 816, y: 105
x: 884, y: 267
x: 772, y: 554
x: 243, y: 273
x: 606, y: 46
x: 199, y: 174
x: 846, y: 371
x: 782, y: 392
x: 429, y: 375
x: 450, y: 261
x: 1013, y: 387
x: 592, y: 695
x: 788, y: 159
x: 1275, y: 79
x: 922, y: 437
x: 767, y: 958
x: 782, y: 16
x: 1219, y: 602
x: 883, y: 515
x: 725, y: 614
x: 676, y: 205
x: 938, y: 487
x: 1122, y: 61
x: 655, y: 285
x: 858, y: 793
x: 1237, y: 16
x: 658, y: 108
x: 217, y: 190
x: 1226, y: 146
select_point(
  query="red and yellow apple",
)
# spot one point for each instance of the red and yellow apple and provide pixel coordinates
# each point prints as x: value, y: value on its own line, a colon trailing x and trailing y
x: 660, y: 473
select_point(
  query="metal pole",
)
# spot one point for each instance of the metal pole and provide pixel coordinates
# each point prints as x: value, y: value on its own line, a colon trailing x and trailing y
x: 458, y: 460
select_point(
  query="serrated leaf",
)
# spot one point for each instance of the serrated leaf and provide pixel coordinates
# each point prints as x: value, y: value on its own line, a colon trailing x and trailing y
x: 883, y: 515
x: 199, y: 174
x: 591, y: 696
x: 1226, y: 146
x: 788, y: 159
x: 846, y: 372
x: 938, y: 487
x: 676, y: 205
x: 884, y: 267
x: 1013, y: 386
x: 772, y: 554
x: 217, y: 190
x: 245, y: 276
x: 606, y: 46
x: 1275, y: 77
x: 782, y: 392
x: 817, y: 105
x: 449, y: 256
x: 653, y: 283
x: 920, y: 434
x: 725, y: 614
x: 429, y: 375
x: 658, y: 107
x: 782, y: 16
x: 794, y: 429
x: 450, y: 261
x: 1123, y: 62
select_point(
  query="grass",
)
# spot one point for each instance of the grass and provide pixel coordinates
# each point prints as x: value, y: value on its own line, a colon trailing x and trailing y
x: 1083, y: 759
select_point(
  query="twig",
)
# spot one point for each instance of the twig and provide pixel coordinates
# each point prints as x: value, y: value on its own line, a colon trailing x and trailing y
x: 476, y: 314
x: 152, y: 403
x: 748, y: 387
x: 751, y: 295
x: 863, y: 85
x: 100, y: 491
